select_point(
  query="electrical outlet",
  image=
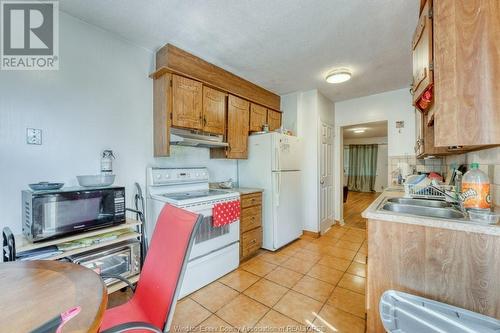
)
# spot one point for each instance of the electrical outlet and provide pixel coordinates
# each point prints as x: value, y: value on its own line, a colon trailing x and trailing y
x: 33, y: 136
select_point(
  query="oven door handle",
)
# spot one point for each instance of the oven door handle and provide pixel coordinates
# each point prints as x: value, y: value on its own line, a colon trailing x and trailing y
x: 119, y: 277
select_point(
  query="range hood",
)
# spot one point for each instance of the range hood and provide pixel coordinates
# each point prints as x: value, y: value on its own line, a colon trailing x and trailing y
x: 191, y: 138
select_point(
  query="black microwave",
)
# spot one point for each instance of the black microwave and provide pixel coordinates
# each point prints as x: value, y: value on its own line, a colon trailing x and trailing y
x: 53, y: 214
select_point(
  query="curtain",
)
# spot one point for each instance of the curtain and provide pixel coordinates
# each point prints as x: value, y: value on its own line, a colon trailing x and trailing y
x: 362, y: 169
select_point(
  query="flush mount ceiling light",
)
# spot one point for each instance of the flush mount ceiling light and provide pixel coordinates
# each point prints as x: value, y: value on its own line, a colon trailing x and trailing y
x: 359, y: 130
x: 338, y: 76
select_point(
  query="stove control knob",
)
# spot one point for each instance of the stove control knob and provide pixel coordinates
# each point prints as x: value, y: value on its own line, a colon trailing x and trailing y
x: 167, y: 175
x: 158, y: 176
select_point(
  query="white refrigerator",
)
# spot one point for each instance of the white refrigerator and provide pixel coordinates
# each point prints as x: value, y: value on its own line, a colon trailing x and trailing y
x: 273, y: 164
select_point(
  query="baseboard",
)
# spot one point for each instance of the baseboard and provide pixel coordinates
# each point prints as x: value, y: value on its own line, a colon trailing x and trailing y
x: 339, y: 222
x: 311, y: 233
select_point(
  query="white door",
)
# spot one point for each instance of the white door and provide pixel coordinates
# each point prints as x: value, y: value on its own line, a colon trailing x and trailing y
x: 326, y: 177
x: 286, y: 152
x: 287, y: 224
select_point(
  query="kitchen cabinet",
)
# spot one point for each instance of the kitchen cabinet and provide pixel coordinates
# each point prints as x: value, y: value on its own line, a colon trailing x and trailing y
x: 273, y: 119
x: 214, y: 111
x: 186, y: 103
x: 250, y: 224
x: 238, y: 116
x: 258, y: 117
x: 162, y: 108
x: 424, y: 145
x: 422, y: 53
x: 467, y: 68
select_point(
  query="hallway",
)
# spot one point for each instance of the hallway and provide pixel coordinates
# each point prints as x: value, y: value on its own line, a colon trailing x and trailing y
x: 356, y: 203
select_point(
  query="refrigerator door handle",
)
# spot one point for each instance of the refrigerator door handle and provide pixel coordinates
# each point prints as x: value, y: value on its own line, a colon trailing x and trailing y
x: 277, y: 189
x: 277, y: 158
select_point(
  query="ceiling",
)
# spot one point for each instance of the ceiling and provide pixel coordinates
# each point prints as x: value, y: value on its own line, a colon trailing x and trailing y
x: 282, y: 45
x: 372, y: 130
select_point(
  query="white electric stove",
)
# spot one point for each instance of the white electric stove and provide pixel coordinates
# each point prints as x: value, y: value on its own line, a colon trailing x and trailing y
x: 216, y: 250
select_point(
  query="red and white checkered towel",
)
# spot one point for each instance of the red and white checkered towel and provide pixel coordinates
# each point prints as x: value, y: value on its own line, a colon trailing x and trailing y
x: 225, y: 213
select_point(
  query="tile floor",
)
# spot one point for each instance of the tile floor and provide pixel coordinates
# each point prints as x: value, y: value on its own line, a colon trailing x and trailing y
x: 318, y: 283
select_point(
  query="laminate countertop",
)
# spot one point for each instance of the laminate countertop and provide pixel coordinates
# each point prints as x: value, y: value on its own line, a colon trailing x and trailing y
x: 373, y: 213
x: 240, y: 190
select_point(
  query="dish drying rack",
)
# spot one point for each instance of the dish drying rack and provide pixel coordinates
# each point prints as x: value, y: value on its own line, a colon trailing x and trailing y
x: 428, y: 192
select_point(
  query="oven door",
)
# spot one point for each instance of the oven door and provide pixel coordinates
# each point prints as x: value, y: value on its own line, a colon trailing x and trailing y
x: 208, y: 238
x: 119, y: 261
x: 62, y: 213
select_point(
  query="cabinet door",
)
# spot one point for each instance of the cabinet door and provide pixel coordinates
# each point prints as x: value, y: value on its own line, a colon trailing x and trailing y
x: 214, y: 111
x: 273, y: 119
x: 467, y: 71
x: 258, y: 117
x: 422, y: 53
x: 238, y: 114
x: 186, y: 103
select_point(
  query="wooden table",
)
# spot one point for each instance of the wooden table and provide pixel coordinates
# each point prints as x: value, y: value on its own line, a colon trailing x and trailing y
x: 33, y: 292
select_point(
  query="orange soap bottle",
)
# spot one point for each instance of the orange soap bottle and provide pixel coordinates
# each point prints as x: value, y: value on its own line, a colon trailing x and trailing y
x: 476, y: 189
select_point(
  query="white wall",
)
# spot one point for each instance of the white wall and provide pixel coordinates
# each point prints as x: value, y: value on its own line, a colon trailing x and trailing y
x: 391, y: 106
x: 304, y: 110
x: 100, y: 98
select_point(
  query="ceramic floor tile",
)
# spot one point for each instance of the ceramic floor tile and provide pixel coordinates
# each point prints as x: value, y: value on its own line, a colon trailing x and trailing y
x: 258, y: 266
x: 342, y: 253
x: 188, y: 314
x: 288, y: 250
x: 276, y: 322
x: 360, y: 257
x: 266, y: 292
x: 300, y: 308
x: 275, y: 258
x: 304, y: 254
x: 314, y: 288
x: 352, y: 238
x: 331, y: 319
x: 239, y: 279
x: 242, y: 312
x: 326, y: 274
x: 284, y: 277
x: 353, y: 282
x: 213, y: 325
x: 363, y: 249
x: 348, y: 245
x: 214, y: 296
x: 299, y: 265
x: 348, y: 301
x: 335, y: 263
x: 357, y: 269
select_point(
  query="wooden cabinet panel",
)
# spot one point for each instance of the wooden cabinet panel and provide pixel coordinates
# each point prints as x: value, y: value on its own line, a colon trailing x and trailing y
x: 186, y: 103
x: 251, y: 241
x: 455, y: 267
x: 422, y: 53
x: 250, y: 218
x: 238, y: 114
x: 466, y: 72
x: 162, y: 108
x: 214, y: 111
x: 273, y: 119
x: 250, y: 200
x: 258, y: 117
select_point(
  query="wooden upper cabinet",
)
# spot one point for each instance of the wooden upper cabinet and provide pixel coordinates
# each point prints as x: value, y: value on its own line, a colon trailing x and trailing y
x: 467, y: 72
x: 214, y: 111
x: 273, y: 119
x: 422, y: 53
x: 186, y: 103
x: 258, y: 117
x: 238, y: 116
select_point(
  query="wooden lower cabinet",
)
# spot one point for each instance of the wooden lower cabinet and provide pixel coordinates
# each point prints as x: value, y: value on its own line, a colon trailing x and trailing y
x: 250, y: 224
x: 455, y: 267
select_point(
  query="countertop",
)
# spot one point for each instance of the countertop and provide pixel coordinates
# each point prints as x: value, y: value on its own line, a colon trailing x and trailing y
x: 240, y: 190
x: 373, y: 213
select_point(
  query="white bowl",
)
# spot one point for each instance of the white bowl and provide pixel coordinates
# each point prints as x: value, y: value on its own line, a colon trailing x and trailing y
x: 96, y: 180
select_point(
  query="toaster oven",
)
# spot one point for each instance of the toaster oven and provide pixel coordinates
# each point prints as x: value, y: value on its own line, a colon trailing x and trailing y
x: 122, y: 259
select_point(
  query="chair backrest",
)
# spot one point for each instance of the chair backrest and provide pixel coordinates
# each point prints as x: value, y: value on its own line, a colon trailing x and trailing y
x: 168, y: 254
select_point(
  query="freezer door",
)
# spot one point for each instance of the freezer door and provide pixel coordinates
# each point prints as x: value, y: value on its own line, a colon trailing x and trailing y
x: 285, y: 152
x: 287, y: 214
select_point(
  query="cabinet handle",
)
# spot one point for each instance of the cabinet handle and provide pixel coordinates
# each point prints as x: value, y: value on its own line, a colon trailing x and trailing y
x: 204, y: 121
x: 253, y: 241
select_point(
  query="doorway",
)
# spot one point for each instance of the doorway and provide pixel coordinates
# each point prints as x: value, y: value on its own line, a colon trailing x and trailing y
x: 365, y: 169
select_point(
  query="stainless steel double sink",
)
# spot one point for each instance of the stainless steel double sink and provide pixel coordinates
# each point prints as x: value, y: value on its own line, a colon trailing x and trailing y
x: 423, y: 207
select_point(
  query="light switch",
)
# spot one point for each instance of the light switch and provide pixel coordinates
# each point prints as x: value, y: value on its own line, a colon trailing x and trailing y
x: 33, y: 136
